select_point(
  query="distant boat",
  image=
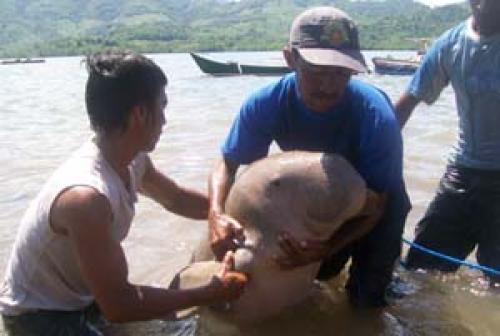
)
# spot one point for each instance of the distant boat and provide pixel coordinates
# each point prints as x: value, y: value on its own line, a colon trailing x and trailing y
x: 264, y: 70
x: 393, y: 66
x: 22, y: 61
x: 217, y: 68
x: 398, y: 66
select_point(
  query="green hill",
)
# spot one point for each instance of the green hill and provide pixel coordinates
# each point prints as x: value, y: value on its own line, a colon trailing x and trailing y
x: 74, y: 27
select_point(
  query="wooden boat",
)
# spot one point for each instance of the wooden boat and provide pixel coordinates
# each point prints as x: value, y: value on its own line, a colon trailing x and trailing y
x: 264, y: 70
x: 22, y: 61
x: 407, y: 66
x: 217, y: 68
x: 393, y: 66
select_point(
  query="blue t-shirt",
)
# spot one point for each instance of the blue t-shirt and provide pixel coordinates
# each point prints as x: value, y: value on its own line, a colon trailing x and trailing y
x: 361, y: 127
x: 472, y: 64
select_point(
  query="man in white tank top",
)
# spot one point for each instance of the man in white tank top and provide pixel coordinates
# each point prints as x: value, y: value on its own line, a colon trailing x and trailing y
x: 67, y: 255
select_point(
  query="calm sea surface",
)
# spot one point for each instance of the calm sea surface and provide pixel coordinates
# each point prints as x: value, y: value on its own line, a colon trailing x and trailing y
x: 43, y: 120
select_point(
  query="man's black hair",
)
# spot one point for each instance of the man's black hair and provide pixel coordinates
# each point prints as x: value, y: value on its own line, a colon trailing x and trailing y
x: 119, y: 80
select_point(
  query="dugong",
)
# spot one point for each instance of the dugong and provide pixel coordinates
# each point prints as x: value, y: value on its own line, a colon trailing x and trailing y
x: 308, y: 194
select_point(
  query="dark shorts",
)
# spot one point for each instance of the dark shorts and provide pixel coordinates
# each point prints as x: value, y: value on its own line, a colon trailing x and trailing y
x: 373, y: 257
x: 55, y: 323
x: 465, y: 213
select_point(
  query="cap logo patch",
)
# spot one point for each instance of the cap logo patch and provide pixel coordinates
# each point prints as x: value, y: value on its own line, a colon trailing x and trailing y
x: 334, y: 34
x: 327, y: 36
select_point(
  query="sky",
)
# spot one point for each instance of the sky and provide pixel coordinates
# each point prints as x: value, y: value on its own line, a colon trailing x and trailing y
x: 434, y: 3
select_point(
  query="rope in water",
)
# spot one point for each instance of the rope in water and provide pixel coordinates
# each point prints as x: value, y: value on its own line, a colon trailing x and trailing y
x: 452, y: 259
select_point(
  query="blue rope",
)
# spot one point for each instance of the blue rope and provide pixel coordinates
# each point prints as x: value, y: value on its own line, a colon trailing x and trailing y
x: 452, y: 259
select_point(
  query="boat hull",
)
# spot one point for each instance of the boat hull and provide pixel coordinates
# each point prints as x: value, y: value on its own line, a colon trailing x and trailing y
x: 263, y: 70
x: 212, y: 67
x: 21, y: 61
x: 392, y: 66
x: 216, y: 68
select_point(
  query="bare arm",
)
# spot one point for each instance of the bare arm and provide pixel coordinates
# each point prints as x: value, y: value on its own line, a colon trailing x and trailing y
x: 404, y: 107
x: 182, y: 201
x: 223, y: 230
x: 85, y: 217
x: 219, y: 184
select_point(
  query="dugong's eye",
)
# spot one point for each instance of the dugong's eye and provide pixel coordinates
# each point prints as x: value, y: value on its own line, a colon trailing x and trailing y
x: 276, y: 183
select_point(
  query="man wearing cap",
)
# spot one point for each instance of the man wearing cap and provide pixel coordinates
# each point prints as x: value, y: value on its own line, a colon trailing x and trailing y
x: 320, y: 108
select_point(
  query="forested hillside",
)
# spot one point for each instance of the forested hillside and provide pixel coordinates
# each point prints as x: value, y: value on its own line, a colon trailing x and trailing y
x: 73, y: 27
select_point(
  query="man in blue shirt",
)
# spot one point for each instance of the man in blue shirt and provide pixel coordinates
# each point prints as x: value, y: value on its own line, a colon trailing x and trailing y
x: 465, y: 211
x: 320, y: 108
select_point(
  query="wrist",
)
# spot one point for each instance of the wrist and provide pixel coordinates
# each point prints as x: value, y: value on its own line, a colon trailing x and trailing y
x: 214, y: 213
x: 207, y: 294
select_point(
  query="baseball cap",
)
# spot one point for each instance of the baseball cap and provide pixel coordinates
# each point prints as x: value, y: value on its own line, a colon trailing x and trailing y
x: 327, y: 36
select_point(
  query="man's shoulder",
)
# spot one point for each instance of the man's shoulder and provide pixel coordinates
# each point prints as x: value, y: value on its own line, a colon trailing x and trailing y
x: 371, y: 103
x: 88, y: 167
x: 275, y: 90
x: 451, y: 36
x: 367, y: 95
x: 359, y: 87
x: 80, y: 197
x: 78, y: 204
x: 457, y: 31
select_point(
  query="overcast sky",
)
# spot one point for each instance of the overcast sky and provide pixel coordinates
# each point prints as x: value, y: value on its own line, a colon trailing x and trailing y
x: 439, y: 2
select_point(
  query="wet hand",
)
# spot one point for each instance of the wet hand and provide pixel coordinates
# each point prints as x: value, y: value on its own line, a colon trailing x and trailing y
x: 299, y: 253
x: 225, y: 234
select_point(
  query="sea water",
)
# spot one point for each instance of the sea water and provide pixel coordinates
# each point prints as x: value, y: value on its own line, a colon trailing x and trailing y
x: 43, y: 120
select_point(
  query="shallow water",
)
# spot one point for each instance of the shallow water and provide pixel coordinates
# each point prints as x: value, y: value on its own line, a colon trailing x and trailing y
x: 43, y: 120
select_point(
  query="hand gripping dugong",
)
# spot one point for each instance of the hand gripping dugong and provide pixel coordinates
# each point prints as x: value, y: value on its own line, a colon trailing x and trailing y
x: 309, y: 195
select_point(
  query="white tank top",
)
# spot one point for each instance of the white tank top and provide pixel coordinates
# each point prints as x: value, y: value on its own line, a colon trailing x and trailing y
x: 43, y: 272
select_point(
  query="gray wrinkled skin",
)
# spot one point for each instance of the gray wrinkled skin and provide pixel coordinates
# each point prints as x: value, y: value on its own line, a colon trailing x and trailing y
x: 309, y: 195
